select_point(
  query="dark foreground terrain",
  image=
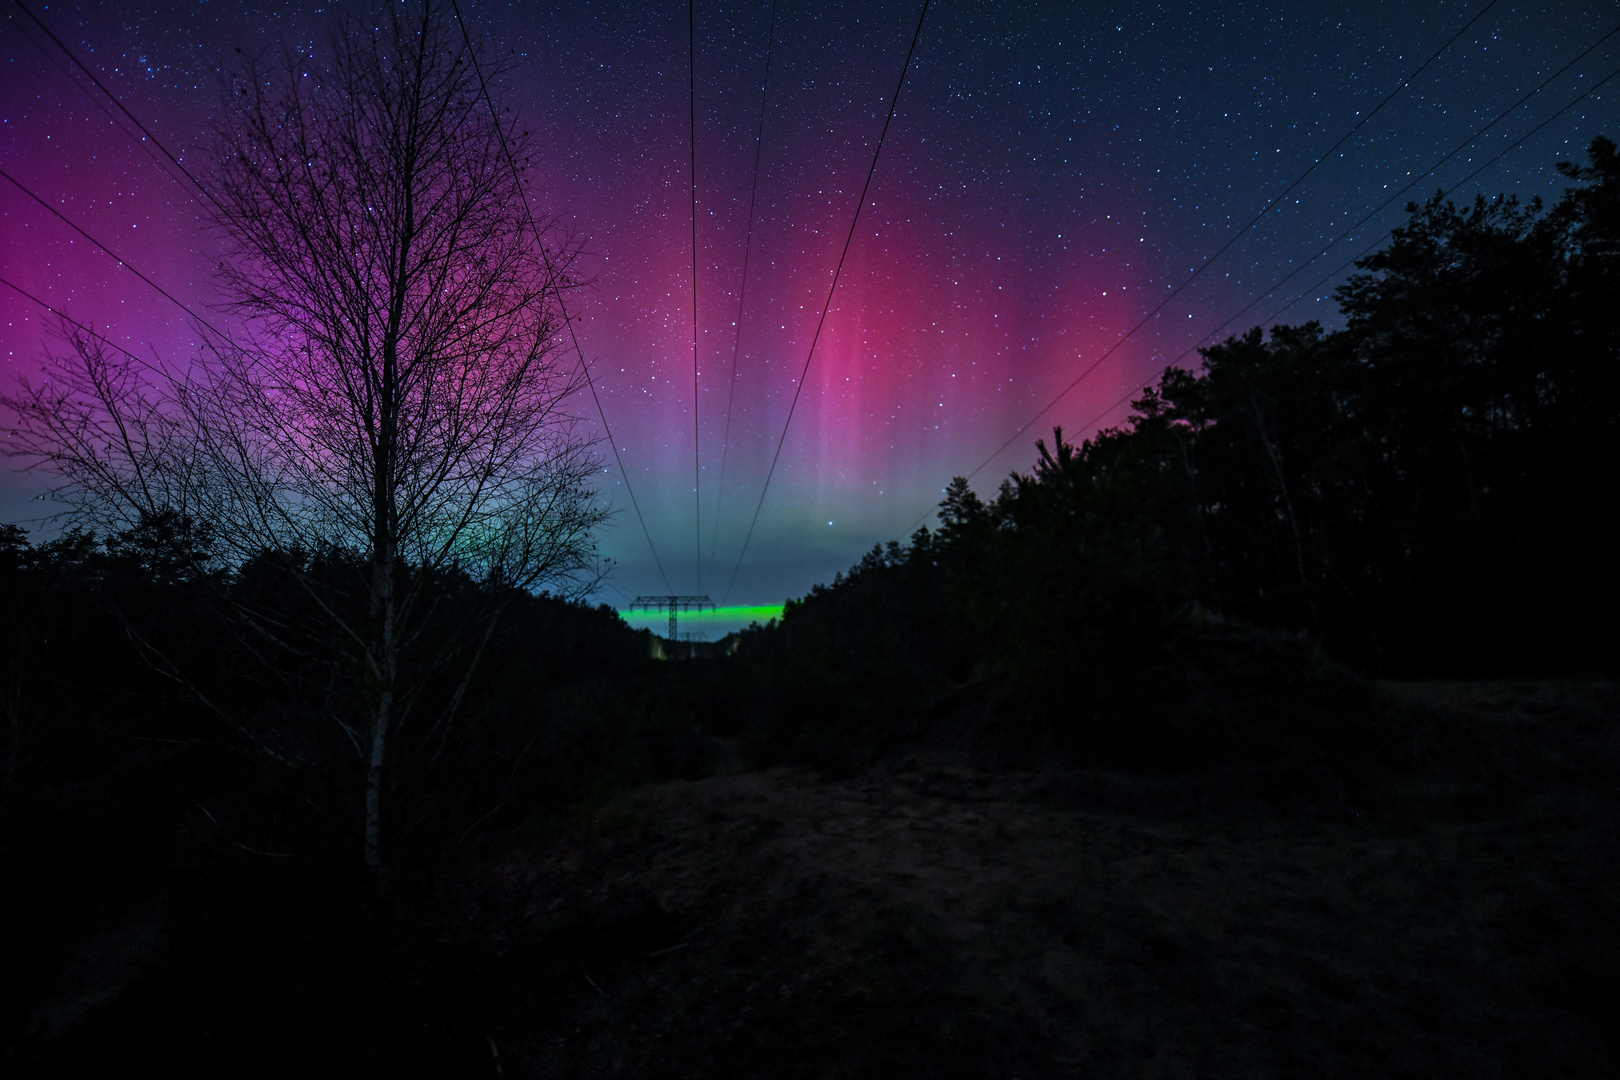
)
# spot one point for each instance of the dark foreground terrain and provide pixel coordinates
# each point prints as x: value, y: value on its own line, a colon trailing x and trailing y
x: 1082, y: 782
x: 1431, y: 896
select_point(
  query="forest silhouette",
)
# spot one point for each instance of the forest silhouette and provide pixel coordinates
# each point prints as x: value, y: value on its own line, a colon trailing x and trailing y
x: 1424, y: 490
x: 1205, y: 606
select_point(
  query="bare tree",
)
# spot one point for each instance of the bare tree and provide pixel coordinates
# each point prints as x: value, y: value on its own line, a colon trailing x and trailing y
x: 397, y: 395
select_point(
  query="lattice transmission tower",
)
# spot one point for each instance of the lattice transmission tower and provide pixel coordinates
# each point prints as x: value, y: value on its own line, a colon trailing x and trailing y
x: 673, y: 605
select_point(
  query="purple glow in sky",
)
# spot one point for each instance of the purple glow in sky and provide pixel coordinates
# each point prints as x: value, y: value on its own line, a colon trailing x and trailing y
x: 1052, y: 172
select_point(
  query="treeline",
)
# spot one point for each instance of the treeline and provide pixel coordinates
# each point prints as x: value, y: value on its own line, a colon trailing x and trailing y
x: 186, y: 786
x: 123, y: 650
x: 1425, y: 491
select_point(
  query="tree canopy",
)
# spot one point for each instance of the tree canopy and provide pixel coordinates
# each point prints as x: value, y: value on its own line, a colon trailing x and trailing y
x: 1424, y: 490
x: 381, y: 454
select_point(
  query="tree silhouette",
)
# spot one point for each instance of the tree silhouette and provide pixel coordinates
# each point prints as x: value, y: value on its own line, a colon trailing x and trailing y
x: 1425, y: 489
x: 387, y: 438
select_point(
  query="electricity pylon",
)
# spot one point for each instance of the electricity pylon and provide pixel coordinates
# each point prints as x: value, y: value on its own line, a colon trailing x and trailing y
x: 671, y: 604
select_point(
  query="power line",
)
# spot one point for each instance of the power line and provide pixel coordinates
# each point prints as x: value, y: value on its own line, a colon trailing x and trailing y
x: 584, y: 366
x: 83, y: 329
x: 1590, y: 90
x: 742, y: 291
x: 1159, y: 373
x: 545, y: 257
x: 590, y: 382
x: 120, y: 259
x: 1226, y: 246
x: 1447, y: 191
x: 1416, y: 179
x: 95, y: 100
x: 736, y: 350
x: 114, y: 98
x: 1336, y: 271
x: 65, y: 317
x: 853, y: 222
x: 697, y: 467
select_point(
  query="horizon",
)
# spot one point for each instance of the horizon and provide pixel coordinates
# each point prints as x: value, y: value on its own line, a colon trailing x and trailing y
x: 714, y: 624
x: 1046, y: 180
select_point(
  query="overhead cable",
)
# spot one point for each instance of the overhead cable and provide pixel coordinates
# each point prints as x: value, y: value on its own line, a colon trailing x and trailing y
x: 1375, y: 211
x: 96, y: 100
x: 65, y: 317
x: 60, y: 44
x: 119, y: 258
x: 742, y: 291
x: 697, y: 465
x: 822, y: 321
x: 1044, y: 409
x: 545, y: 257
x: 1363, y: 253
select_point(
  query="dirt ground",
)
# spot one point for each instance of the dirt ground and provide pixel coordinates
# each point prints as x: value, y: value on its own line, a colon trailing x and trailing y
x: 1448, y: 913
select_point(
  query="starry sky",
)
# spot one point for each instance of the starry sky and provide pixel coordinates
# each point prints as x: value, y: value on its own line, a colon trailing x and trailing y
x: 1052, y: 174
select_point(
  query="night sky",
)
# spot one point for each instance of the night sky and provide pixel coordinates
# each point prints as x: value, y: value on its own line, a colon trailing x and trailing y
x: 1052, y: 172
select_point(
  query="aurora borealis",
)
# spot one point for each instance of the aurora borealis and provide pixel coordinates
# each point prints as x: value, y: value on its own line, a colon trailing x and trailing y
x: 1052, y: 172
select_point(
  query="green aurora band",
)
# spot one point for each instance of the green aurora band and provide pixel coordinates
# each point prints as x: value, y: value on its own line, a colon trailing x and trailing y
x: 724, y: 620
